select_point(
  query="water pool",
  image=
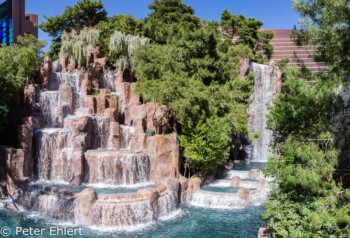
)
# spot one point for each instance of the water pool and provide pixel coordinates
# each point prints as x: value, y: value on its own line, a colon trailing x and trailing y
x: 186, y: 222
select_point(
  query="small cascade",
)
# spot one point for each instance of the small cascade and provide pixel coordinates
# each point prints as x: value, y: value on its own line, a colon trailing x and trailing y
x: 120, y: 213
x: 264, y: 91
x: 167, y: 204
x: 73, y: 80
x: 107, y: 81
x: 56, y: 205
x: 50, y: 102
x: 54, y: 154
x: 126, y: 133
x: 203, y: 198
x: 101, y: 131
x: 117, y: 167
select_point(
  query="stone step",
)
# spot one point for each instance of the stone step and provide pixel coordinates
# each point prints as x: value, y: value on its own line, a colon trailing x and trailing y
x: 291, y: 47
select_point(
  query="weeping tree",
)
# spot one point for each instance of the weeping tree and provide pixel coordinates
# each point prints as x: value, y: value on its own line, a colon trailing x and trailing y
x: 122, y: 48
x: 75, y: 45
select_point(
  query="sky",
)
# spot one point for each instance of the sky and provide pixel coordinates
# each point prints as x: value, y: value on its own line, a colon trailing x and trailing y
x: 274, y: 13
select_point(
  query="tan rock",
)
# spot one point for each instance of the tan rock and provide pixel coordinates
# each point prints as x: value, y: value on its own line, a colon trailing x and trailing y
x: 25, y: 133
x: 95, y: 84
x: 118, y: 81
x: 111, y: 113
x: 104, y: 91
x: 77, y: 168
x: 254, y: 174
x: 114, y: 134
x: 264, y: 232
x: 66, y: 94
x: 262, y: 183
x: 90, y: 102
x: 85, y: 200
x: 113, y: 101
x: 86, y: 87
x: 235, y: 181
x: 100, y: 105
x: 244, y: 193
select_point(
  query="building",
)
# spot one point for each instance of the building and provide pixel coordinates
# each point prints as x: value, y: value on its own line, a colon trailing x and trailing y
x: 14, y: 21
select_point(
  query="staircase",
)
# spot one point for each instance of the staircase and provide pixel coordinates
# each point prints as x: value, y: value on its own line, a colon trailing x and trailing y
x: 284, y: 46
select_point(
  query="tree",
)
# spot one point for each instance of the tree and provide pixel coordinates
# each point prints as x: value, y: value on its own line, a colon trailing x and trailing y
x: 166, y: 16
x: 76, y: 44
x: 122, y: 48
x: 83, y: 13
x: 124, y: 23
x: 246, y: 31
x: 326, y: 27
x: 18, y: 64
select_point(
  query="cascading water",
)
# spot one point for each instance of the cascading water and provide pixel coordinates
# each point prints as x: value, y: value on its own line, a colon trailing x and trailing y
x: 73, y: 80
x: 107, y: 81
x: 263, y: 94
x: 126, y: 133
x: 117, y: 168
x: 50, y: 102
x: 54, y: 154
x: 101, y: 131
x: 203, y: 198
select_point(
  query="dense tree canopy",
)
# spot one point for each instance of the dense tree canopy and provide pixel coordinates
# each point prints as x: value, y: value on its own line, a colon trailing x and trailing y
x: 312, y: 198
x: 83, y: 13
x: 18, y: 65
x: 326, y: 27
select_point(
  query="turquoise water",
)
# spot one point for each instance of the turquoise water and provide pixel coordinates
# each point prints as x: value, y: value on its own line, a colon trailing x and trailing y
x: 222, y: 189
x: 98, y: 189
x: 187, y: 222
x: 252, y: 165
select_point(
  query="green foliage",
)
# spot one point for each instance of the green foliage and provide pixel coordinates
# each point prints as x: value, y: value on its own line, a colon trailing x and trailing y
x: 309, y: 217
x: 206, y: 144
x: 18, y: 64
x: 83, y: 13
x: 246, y: 30
x: 308, y: 200
x: 122, y: 48
x: 76, y: 44
x: 264, y: 50
x: 126, y: 24
x: 150, y: 133
x: 326, y: 27
x: 282, y: 63
x: 304, y: 109
x: 168, y: 16
x: 195, y: 74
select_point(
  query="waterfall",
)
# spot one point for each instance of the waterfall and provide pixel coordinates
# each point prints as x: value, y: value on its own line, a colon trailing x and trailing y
x: 58, y: 206
x: 107, y: 81
x: 117, y: 168
x: 263, y: 94
x: 50, y: 101
x: 167, y: 204
x: 101, y: 131
x: 73, y: 80
x: 121, y: 213
x: 126, y: 134
x: 54, y: 154
x: 203, y: 198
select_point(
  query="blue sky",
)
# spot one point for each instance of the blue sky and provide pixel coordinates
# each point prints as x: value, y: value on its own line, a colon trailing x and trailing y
x: 274, y: 13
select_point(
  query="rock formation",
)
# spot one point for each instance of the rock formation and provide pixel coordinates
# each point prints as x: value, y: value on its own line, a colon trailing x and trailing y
x: 89, y: 127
